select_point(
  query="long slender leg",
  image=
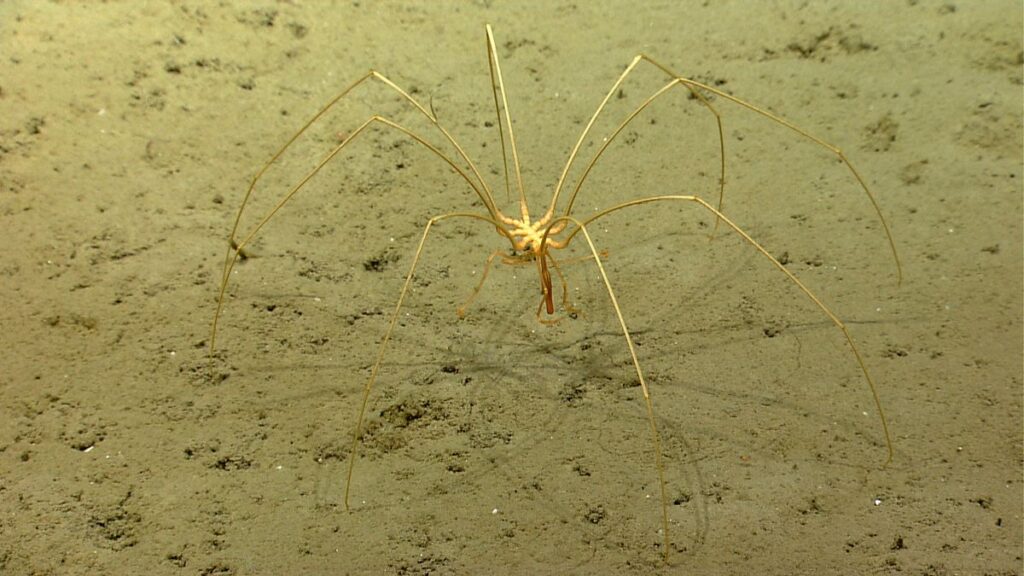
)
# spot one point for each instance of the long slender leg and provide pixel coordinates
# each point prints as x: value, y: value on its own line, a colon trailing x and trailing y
x: 371, y: 75
x: 600, y: 108
x: 764, y: 252
x: 611, y: 138
x: 655, y: 436
x: 489, y: 201
x: 497, y: 112
x: 280, y: 152
x: 238, y: 246
x: 357, y: 433
x: 461, y: 310
x: 696, y: 88
x: 492, y: 57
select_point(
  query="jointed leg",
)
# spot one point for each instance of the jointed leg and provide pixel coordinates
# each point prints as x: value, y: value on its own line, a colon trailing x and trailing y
x: 492, y: 58
x: 387, y: 337
x: 371, y: 75
x: 586, y: 130
x: 807, y: 291
x: 655, y: 436
x: 696, y: 89
x: 237, y: 247
x: 643, y: 105
x: 693, y: 84
x: 461, y: 310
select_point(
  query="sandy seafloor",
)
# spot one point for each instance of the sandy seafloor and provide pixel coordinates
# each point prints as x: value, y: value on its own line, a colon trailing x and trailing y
x: 496, y: 444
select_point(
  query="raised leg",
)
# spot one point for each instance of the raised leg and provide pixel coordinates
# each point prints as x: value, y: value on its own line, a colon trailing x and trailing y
x: 492, y: 59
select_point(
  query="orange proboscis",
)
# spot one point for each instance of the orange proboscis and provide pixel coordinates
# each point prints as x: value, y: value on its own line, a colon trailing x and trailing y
x: 545, y: 276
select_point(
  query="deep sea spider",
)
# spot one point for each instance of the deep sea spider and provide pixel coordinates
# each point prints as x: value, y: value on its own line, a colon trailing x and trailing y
x: 533, y: 240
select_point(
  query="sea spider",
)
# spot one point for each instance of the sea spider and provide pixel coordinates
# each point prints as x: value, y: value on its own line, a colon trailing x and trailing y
x: 533, y: 240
